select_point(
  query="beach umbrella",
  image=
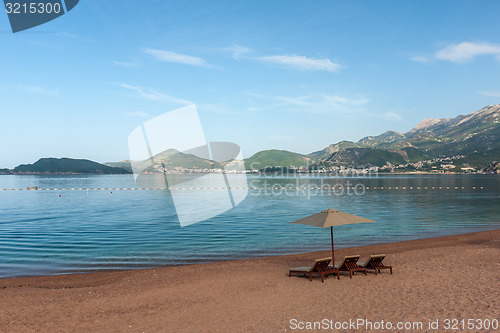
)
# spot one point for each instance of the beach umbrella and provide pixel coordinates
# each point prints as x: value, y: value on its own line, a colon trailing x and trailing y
x: 330, y: 218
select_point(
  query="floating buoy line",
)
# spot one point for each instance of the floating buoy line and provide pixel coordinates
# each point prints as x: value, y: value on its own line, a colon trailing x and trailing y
x: 248, y: 188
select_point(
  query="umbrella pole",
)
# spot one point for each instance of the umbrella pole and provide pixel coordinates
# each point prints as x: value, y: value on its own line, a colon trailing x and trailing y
x: 333, y: 255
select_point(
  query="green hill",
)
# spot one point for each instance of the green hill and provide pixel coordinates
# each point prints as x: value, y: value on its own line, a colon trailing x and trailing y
x: 170, y: 159
x: 5, y: 172
x: 276, y: 158
x: 66, y: 166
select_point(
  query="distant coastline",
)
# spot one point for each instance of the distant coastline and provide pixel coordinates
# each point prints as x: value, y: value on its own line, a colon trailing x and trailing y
x: 464, y: 144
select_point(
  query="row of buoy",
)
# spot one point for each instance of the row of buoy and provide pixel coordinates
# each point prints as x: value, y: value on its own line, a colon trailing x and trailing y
x: 250, y: 188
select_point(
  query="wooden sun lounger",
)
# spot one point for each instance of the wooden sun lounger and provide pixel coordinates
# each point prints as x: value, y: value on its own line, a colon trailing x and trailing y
x: 319, y: 267
x: 375, y: 262
x: 350, y: 263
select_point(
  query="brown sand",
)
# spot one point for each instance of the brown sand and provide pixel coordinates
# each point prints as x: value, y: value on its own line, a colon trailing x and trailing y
x: 454, y: 277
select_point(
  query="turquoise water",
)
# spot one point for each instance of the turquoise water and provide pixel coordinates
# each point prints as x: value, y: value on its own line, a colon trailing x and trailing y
x: 56, y: 232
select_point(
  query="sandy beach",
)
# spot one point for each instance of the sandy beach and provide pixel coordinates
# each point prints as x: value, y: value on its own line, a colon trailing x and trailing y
x: 438, y: 280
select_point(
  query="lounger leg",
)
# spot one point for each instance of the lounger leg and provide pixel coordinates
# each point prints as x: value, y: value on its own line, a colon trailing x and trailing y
x: 310, y: 277
x: 350, y: 274
x: 391, y: 269
x: 365, y: 272
x: 338, y: 275
x: 376, y: 271
x: 322, y: 279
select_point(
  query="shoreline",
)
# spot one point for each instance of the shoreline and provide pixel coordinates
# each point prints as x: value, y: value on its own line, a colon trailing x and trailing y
x: 435, y: 278
x: 229, y: 259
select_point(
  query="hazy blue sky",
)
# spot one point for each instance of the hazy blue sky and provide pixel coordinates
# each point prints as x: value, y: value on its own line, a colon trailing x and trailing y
x: 295, y: 75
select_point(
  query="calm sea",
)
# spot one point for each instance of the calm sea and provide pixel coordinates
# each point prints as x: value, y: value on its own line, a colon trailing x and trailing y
x: 57, y: 232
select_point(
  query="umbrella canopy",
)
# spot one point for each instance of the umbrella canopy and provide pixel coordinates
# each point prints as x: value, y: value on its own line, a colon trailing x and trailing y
x: 331, y: 218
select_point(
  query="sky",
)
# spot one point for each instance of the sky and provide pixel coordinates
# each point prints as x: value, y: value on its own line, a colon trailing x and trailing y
x: 294, y: 75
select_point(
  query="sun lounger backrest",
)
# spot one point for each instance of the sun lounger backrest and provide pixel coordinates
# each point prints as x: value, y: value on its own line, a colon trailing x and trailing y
x: 348, y: 260
x: 352, y: 263
x: 321, y: 265
x: 377, y: 256
x: 376, y: 260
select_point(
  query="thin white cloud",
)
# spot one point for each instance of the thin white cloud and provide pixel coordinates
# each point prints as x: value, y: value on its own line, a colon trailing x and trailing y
x: 39, y: 90
x: 153, y: 95
x: 295, y: 101
x: 178, y: 58
x: 391, y: 116
x: 462, y: 52
x: 125, y: 64
x: 315, y: 103
x: 138, y: 114
x: 490, y: 93
x: 302, y: 62
x: 215, y: 108
x: 292, y: 61
x: 346, y: 100
x: 420, y: 58
x: 237, y: 51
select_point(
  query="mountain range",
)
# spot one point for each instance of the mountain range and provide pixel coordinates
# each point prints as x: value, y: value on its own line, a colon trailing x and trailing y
x: 472, y: 139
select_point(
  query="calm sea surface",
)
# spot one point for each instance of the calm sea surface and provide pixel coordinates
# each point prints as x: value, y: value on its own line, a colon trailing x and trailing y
x: 56, y: 232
